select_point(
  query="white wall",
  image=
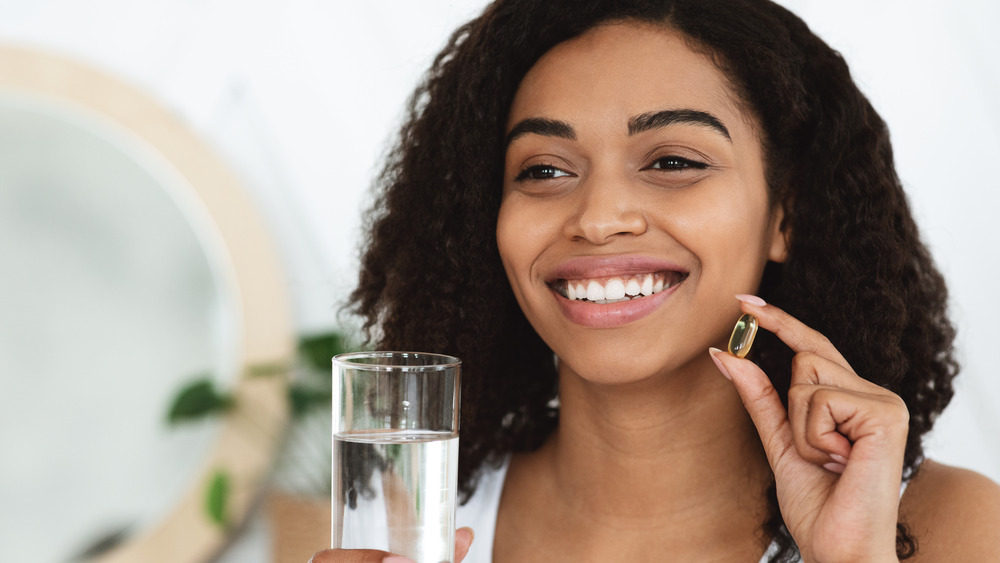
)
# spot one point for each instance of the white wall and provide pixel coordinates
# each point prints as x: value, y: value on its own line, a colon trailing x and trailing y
x: 301, y: 95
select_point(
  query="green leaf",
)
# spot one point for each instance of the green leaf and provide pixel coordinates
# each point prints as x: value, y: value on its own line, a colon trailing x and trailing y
x: 303, y: 399
x: 196, y: 400
x: 217, y: 498
x: 267, y: 370
x: 317, y: 350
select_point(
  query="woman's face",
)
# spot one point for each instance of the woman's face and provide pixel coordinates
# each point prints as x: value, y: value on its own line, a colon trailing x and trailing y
x: 634, y: 203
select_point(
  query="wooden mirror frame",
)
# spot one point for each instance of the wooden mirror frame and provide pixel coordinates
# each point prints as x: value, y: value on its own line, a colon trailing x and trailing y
x: 250, y: 434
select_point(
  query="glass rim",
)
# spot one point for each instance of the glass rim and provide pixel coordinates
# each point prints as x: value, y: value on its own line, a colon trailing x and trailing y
x: 441, y: 361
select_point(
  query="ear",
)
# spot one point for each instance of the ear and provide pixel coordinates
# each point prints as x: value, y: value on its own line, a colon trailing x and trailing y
x: 779, y: 235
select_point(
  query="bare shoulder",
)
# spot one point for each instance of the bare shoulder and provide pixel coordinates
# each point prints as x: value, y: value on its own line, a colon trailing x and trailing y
x: 954, y: 514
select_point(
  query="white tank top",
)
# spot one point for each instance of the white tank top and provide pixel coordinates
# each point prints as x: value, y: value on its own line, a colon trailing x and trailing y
x: 480, y: 514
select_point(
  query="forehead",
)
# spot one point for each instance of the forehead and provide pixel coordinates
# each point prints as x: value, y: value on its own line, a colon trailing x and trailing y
x: 620, y: 70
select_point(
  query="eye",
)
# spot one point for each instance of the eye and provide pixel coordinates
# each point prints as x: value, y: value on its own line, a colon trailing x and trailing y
x: 673, y: 162
x: 541, y: 172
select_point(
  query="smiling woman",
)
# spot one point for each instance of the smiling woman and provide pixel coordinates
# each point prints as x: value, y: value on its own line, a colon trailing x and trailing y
x: 676, y: 196
x: 614, y: 184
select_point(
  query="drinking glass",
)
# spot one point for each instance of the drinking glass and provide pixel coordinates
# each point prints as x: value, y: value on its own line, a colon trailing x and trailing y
x: 395, y: 453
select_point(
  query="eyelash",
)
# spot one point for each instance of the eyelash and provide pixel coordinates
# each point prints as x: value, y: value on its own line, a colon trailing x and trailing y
x: 549, y: 170
x: 678, y: 163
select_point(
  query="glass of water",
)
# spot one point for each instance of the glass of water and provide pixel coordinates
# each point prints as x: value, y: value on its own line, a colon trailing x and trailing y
x: 395, y: 453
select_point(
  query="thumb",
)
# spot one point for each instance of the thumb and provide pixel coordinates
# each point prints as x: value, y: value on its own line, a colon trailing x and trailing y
x: 463, y: 541
x: 760, y: 399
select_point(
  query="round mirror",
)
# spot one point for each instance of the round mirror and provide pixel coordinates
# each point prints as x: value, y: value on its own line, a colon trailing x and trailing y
x: 133, y: 263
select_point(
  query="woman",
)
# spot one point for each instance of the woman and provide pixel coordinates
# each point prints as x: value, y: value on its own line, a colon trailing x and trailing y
x: 596, y: 181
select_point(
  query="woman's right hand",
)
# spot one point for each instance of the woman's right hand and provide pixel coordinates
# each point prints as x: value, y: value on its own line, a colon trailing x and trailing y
x: 463, y: 540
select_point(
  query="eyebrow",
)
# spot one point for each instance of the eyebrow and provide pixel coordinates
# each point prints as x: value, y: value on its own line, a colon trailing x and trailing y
x: 658, y: 119
x: 638, y: 124
x: 541, y: 126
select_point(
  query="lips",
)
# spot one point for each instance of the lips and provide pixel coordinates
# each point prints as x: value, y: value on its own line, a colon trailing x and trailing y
x: 609, y: 291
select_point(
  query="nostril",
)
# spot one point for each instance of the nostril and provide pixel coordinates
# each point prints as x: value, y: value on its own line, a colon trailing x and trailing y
x: 604, y: 227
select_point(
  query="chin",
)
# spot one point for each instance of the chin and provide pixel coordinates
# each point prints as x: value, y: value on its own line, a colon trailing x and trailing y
x: 614, y: 366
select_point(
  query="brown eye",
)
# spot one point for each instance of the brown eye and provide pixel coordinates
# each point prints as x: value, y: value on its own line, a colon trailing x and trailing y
x: 541, y: 172
x: 676, y: 163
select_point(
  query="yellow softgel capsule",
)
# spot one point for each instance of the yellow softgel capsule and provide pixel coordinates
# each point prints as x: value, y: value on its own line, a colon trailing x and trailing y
x: 743, y: 334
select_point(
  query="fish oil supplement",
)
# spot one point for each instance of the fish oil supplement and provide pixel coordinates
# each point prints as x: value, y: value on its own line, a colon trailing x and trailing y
x: 743, y: 334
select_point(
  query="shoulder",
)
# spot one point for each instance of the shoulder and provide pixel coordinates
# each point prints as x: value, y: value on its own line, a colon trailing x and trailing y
x: 954, y: 514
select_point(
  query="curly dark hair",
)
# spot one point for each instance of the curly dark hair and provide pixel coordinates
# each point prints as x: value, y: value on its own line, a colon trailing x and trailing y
x: 856, y: 270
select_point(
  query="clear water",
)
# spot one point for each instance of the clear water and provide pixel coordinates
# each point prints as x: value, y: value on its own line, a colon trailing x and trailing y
x: 396, y: 491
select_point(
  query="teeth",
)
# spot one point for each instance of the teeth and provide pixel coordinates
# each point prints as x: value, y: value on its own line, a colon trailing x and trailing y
x: 615, y: 290
x: 632, y: 288
x: 647, y: 285
x: 595, y: 291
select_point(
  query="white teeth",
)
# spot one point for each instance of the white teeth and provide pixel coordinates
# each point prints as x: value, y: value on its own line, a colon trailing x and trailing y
x: 647, y: 285
x: 595, y: 291
x: 615, y: 289
x: 632, y: 288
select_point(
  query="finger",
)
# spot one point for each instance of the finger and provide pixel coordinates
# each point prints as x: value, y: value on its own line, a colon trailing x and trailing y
x: 830, y: 423
x: 816, y: 438
x: 463, y: 541
x: 875, y: 427
x: 814, y: 430
x: 810, y: 368
x: 356, y: 556
x: 761, y: 401
x: 880, y: 422
x: 791, y: 331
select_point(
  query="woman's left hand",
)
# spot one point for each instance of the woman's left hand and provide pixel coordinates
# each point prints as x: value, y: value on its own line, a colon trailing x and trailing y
x: 836, y: 453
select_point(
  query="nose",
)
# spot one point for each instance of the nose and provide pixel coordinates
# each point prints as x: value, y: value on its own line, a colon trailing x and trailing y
x: 606, y: 209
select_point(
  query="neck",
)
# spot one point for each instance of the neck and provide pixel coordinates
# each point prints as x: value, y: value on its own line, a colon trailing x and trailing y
x: 672, y: 448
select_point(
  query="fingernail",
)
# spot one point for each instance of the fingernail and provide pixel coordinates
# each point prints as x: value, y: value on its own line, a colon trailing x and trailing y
x: 470, y: 531
x: 397, y: 559
x: 839, y: 459
x: 834, y: 467
x: 751, y: 299
x: 712, y: 352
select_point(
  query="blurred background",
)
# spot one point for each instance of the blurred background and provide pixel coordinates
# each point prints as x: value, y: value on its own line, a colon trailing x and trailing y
x: 181, y: 188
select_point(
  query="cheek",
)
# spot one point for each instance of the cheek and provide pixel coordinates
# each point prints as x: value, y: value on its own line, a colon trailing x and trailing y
x: 526, y: 228
x: 728, y: 235
x: 515, y: 241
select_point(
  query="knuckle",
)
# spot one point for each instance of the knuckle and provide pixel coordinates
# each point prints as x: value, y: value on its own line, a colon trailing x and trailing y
x: 823, y: 395
x: 774, y: 444
x: 893, y: 410
x: 798, y: 360
x: 802, y: 361
x: 900, y: 414
x: 821, y: 341
x: 779, y: 449
x: 762, y: 395
x: 799, y: 393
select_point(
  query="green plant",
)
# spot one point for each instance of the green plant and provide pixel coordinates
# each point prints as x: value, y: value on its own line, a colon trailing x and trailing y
x: 303, y: 465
